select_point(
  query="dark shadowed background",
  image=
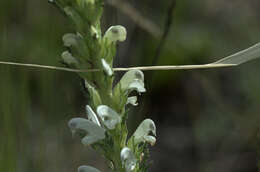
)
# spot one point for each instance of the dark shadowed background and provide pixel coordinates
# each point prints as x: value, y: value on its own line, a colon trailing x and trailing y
x: 207, y: 120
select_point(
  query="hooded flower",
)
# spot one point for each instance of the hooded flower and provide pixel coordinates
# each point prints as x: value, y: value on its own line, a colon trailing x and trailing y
x: 108, y: 116
x: 87, y: 130
x: 142, y: 132
x: 85, y: 168
x: 115, y: 33
x: 128, y: 159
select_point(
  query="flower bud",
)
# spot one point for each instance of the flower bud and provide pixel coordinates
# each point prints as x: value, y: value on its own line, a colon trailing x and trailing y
x: 128, y: 159
x: 85, y: 168
x: 115, y: 33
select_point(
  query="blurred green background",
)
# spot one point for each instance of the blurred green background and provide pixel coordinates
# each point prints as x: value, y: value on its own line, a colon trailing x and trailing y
x: 207, y: 119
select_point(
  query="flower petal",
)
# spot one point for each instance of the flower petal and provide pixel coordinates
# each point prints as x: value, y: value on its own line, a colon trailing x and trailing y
x: 106, y: 67
x: 109, y: 117
x: 132, y: 80
x: 132, y: 100
x: 68, y: 58
x: 128, y: 159
x: 116, y: 33
x: 89, y: 131
x: 70, y: 39
x: 142, y: 132
x: 85, y: 168
x: 92, y: 115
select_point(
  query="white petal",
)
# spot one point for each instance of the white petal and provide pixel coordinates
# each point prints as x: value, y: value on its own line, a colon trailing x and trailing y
x: 116, y: 33
x: 109, y: 117
x: 85, y: 168
x: 92, y: 115
x: 106, y: 67
x: 91, y: 132
x: 132, y: 101
x: 70, y: 39
x: 128, y: 159
x: 132, y: 80
x: 68, y: 58
x: 142, y: 132
x: 150, y: 139
x: 137, y: 85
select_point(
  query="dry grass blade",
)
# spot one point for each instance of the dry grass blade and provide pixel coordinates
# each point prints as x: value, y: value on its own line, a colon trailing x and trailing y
x: 233, y: 60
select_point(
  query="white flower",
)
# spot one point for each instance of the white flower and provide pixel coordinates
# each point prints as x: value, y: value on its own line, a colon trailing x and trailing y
x: 116, y: 33
x: 142, y: 132
x: 109, y: 117
x: 89, y: 131
x: 85, y: 168
x: 132, y: 80
x: 69, y: 59
x: 128, y: 159
x: 132, y: 100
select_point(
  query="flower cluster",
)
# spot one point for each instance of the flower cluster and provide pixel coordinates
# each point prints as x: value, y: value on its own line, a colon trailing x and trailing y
x: 104, y: 128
